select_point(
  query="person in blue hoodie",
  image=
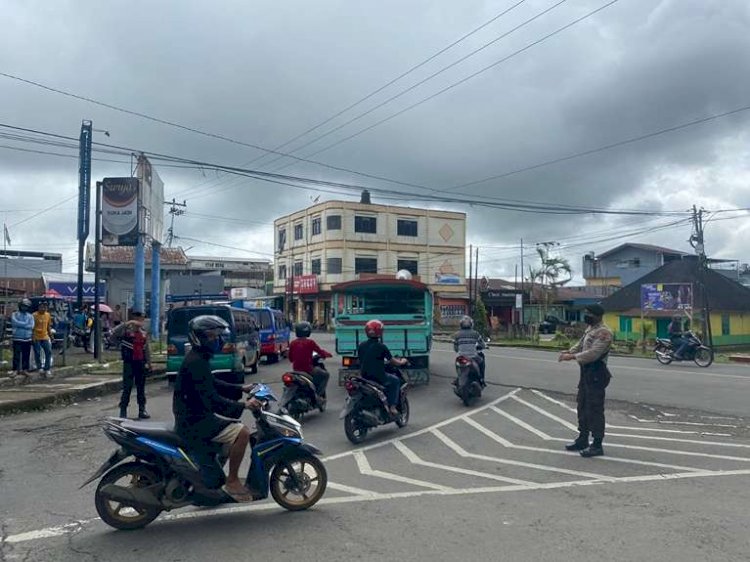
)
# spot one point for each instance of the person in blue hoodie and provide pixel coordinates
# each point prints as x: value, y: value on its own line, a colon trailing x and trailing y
x: 22, y: 322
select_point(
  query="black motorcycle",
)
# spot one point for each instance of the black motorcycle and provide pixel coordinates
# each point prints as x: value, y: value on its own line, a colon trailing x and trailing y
x: 702, y: 355
x: 164, y: 475
x: 468, y: 383
x: 367, y: 406
x: 299, y: 395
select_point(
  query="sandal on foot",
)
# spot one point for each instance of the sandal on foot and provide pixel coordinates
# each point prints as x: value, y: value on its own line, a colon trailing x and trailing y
x: 239, y: 497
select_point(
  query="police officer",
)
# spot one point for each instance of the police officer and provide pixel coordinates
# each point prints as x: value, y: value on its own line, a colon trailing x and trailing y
x: 591, y: 353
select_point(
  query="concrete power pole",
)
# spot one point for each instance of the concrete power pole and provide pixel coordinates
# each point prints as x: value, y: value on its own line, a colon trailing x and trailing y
x: 698, y: 243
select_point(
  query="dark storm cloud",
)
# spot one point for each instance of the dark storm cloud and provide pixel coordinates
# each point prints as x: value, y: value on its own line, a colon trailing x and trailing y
x: 262, y: 72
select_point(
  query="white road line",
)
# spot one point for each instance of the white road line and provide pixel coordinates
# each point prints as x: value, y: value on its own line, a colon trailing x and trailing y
x: 669, y: 451
x: 494, y: 436
x: 545, y: 413
x: 364, y: 467
x: 661, y: 372
x: 550, y: 399
x: 464, y: 453
x: 415, y: 459
x: 565, y: 406
x: 508, y: 444
x: 350, y: 489
x: 522, y: 423
x: 660, y: 430
x: 639, y: 448
x: 62, y: 530
x: 424, y: 430
x: 676, y: 440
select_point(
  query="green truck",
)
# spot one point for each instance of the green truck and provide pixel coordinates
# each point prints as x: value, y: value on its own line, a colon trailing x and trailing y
x: 406, y: 309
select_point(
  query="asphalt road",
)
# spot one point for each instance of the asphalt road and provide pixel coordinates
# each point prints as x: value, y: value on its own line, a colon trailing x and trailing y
x: 485, y: 483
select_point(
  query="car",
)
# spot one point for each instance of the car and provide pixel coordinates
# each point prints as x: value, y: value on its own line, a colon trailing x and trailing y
x: 551, y: 324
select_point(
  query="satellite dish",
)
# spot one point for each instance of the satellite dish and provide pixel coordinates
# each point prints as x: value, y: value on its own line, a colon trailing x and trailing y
x: 404, y: 274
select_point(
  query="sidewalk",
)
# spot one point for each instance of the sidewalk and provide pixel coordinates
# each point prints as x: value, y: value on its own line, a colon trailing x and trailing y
x: 70, y: 384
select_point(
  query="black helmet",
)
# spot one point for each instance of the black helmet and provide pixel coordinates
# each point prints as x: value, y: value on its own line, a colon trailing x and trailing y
x: 202, y: 327
x: 303, y: 329
x: 466, y: 323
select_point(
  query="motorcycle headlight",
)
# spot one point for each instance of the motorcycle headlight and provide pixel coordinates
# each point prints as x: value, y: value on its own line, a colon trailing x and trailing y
x: 285, y: 425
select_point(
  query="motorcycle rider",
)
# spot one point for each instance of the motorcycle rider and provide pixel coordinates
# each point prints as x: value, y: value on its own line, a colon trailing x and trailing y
x: 679, y: 342
x: 202, y: 416
x: 301, y: 355
x: 372, y: 356
x: 469, y: 343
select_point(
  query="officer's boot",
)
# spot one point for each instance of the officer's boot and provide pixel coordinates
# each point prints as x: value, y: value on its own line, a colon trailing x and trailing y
x: 594, y: 450
x: 581, y: 443
x: 123, y: 412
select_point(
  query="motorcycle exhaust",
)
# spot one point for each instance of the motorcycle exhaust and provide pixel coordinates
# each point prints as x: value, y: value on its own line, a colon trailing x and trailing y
x: 370, y: 419
x: 134, y: 497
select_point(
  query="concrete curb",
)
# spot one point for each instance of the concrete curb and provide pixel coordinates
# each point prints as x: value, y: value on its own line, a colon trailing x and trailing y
x: 66, y: 396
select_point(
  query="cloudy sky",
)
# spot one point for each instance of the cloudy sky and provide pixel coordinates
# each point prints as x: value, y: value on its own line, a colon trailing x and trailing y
x: 263, y: 72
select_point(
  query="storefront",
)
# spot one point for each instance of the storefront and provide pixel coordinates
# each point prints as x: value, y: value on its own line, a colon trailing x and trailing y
x: 308, y: 302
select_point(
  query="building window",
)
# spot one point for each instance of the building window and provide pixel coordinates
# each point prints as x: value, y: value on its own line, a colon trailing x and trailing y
x: 282, y: 239
x: 333, y: 265
x: 282, y: 272
x: 315, y: 266
x: 725, y: 325
x: 408, y: 265
x: 298, y: 231
x: 365, y: 265
x: 316, y: 226
x: 626, y: 324
x: 366, y: 224
x: 297, y: 268
x: 406, y: 227
x: 333, y: 222
x: 452, y: 311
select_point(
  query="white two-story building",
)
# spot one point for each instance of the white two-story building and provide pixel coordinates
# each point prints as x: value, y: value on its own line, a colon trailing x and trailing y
x: 339, y: 241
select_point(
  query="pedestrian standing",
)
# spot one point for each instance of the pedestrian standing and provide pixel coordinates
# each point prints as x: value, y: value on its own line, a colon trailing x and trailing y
x: 591, y: 353
x: 42, y: 339
x: 117, y: 316
x: 22, y: 323
x: 136, y: 361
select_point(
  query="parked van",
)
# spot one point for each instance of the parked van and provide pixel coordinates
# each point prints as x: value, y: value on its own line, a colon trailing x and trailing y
x: 239, y: 355
x: 274, y: 332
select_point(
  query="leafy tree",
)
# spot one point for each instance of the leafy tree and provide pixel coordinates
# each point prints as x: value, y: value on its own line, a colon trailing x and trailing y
x: 553, y: 273
x: 480, y: 318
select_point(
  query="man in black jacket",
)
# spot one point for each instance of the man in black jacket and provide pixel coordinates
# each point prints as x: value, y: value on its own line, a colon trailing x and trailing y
x: 202, y: 416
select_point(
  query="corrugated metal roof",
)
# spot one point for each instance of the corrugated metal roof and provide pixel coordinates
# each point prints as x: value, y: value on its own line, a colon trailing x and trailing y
x: 723, y: 293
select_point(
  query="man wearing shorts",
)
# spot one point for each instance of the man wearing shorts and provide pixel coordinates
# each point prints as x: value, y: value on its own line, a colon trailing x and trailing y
x: 203, y: 416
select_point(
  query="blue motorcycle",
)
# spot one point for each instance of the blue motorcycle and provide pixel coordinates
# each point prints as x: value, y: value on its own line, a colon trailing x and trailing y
x: 164, y: 476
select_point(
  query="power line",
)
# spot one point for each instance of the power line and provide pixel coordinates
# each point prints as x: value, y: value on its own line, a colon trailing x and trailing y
x: 391, y: 82
x: 423, y: 81
x: 463, y: 80
x: 304, y: 183
x: 603, y: 148
x: 197, y: 131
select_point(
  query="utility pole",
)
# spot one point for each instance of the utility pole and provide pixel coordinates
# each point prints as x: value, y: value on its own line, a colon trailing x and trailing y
x: 84, y: 200
x: 176, y: 210
x: 471, y: 269
x: 522, y: 284
x: 476, y: 274
x: 697, y: 242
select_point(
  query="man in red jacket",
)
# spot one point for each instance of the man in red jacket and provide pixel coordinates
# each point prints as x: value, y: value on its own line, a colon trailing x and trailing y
x: 301, y: 355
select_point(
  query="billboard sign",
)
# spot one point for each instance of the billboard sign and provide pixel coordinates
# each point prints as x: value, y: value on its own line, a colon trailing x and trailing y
x: 304, y: 284
x: 151, y: 201
x: 120, y: 211
x: 667, y: 296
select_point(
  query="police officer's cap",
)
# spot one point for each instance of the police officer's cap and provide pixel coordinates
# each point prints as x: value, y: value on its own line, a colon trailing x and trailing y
x: 595, y: 309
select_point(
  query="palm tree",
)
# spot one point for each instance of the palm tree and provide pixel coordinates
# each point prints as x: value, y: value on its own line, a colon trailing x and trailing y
x: 554, y: 272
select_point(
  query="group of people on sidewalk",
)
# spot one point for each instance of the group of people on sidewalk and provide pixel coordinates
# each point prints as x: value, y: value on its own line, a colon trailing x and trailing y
x: 31, y: 331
